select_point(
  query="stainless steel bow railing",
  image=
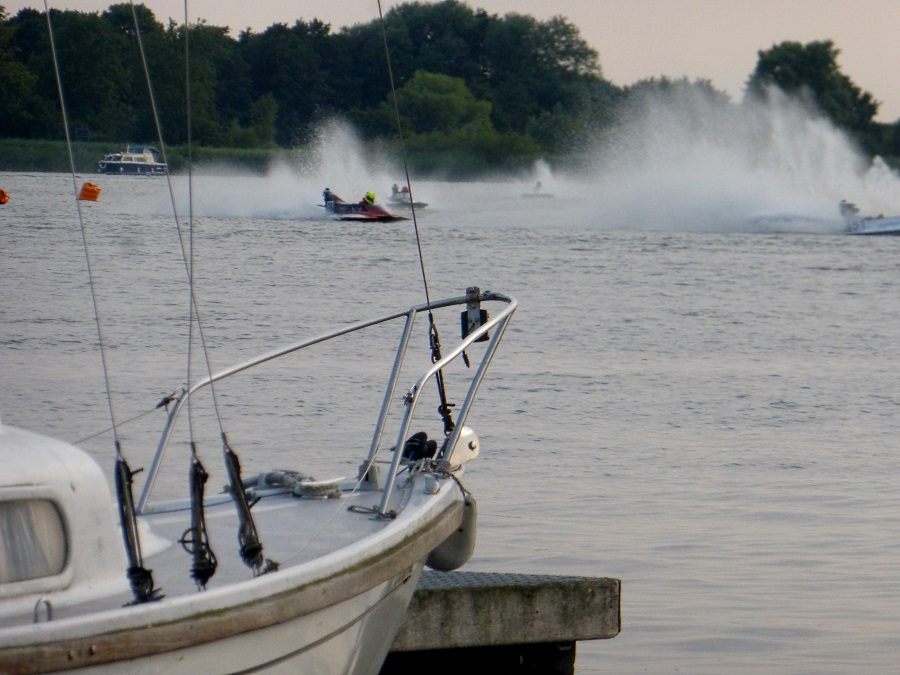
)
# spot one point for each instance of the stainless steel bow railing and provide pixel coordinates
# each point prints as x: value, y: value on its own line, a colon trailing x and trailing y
x: 497, y: 324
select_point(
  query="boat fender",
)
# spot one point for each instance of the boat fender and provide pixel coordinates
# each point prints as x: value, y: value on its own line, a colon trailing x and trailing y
x: 456, y: 549
x: 465, y: 450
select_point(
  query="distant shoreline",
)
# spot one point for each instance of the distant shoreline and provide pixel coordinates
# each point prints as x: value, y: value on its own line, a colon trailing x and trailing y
x: 52, y: 156
x: 43, y: 156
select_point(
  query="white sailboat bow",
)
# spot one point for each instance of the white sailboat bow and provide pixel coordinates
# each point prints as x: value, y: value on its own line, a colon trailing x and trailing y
x: 337, y: 560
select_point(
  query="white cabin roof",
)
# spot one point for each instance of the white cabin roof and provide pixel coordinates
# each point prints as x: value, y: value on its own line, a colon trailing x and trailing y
x: 49, y: 473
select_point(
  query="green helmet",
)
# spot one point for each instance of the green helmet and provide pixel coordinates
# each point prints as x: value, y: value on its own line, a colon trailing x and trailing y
x: 369, y: 198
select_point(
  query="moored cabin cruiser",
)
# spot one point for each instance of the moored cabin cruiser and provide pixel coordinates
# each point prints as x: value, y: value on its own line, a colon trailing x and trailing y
x: 135, y: 159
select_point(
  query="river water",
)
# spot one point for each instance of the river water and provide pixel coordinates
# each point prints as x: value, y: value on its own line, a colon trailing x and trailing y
x: 707, y: 412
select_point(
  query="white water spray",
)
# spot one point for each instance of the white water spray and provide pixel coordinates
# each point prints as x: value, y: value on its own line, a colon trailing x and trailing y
x: 686, y: 161
x: 292, y: 190
x: 690, y: 161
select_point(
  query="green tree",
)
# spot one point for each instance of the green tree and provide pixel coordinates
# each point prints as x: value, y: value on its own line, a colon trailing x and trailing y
x: 431, y: 102
x: 677, y: 109
x: 260, y: 131
x: 512, y: 81
x: 122, y: 19
x: 446, y: 127
x: 693, y: 97
x: 220, y: 83
x: 534, y: 66
x: 537, y: 76
x: 158, y: 54
x: 98, y: 65
x: 443, y: 37
x: 21, y: 110
x: 286, y: 62
x: 812, y: 70
x: 95, y: 82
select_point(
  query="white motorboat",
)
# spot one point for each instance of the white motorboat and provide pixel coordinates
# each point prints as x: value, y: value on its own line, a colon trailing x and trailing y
x: 135, y: 159
x: 856, y: 224
x: 875, y: 225
x: 323, y: 572
x: 402, y: 197
x: 537, y: 192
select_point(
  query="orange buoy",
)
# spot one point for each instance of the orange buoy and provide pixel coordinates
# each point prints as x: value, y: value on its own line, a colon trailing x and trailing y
x: 89, y: 192
x: 3, y: 197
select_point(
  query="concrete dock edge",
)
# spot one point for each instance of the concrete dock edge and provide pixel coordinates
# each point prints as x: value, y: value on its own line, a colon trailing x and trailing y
x: 504, y: 620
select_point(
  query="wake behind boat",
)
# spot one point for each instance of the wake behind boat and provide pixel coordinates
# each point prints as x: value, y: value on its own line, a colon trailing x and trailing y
x: 878, y: 225
x: 537, y: 192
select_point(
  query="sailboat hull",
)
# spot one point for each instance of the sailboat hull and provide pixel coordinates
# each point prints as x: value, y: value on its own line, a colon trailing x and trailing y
x: 343, y: 556
x: 349, y: 637
x: 309, y: 619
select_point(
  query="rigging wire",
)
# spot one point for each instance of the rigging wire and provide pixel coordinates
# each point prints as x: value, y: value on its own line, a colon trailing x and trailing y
x: 250, y: 546
x: 412, y: 200
x: 251, y: 549
x: 140, y: 578
x: 189, y: 263
x: 445, y: 408
x: 81, y: 441
x: 84, y: 236
x: 187, y: 253
x: 195, y: 540
x: 204, y: 562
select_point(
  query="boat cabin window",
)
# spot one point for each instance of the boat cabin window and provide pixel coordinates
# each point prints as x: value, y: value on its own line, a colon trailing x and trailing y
x: 32, y: 540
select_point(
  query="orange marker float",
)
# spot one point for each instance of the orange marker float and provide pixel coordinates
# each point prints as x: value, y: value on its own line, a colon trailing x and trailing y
x: 3, y: 197
x: 89, y: 192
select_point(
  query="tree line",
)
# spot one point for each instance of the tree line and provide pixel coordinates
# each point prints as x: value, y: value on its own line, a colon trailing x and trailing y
x: 492, y: 89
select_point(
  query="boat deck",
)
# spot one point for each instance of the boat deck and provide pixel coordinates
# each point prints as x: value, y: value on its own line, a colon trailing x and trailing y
x: 308, y: 537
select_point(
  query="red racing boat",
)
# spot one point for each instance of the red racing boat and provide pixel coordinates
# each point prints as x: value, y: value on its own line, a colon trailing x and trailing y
x: 362, y: 210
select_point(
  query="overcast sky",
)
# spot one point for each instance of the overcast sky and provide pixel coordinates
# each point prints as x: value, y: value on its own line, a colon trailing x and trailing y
x: 717, y: 40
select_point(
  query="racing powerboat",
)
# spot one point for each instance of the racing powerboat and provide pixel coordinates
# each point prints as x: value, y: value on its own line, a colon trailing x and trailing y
x: 402, y: 197
x: 361, y: 210
x: 856, y: 224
